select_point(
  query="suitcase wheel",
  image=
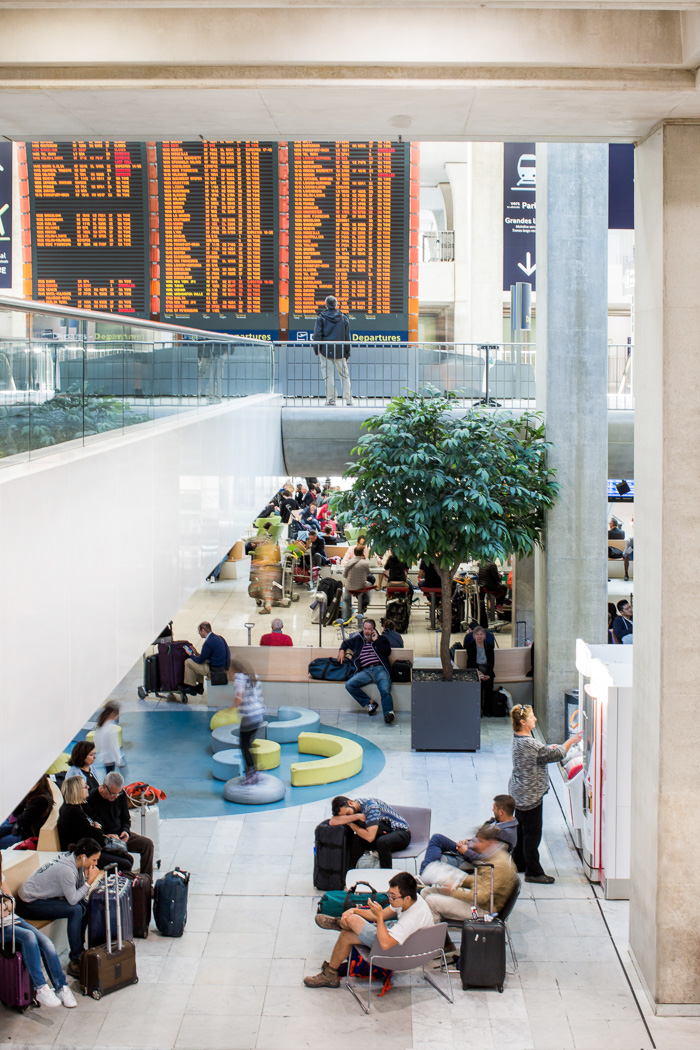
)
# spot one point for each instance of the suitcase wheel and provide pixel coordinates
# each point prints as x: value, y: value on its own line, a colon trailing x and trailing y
x: 158, y: 863
x: 142, y: 693
x: 136, y: 981
x: 500, y: 988
x: 96, y: 993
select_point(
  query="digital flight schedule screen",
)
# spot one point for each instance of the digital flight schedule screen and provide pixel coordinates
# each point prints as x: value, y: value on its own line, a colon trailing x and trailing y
x: 88, y: 211
x: 218, y: 235
x: 349, y: 236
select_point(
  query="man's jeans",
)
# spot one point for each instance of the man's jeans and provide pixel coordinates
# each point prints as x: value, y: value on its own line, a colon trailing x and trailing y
x: 378, y: 674
x: 35, y: 946
x: 58, y: 908
x: 438, y: 845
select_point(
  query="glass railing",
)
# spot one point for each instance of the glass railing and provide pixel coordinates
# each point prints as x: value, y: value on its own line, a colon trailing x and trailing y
x: 68, y: 376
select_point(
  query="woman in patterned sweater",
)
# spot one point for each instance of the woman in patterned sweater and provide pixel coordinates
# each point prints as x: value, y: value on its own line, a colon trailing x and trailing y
x: 529, y: 783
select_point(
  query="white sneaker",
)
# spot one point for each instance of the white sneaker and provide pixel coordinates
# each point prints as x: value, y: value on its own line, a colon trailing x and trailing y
x: 46, y: 997
x: 66, y: 997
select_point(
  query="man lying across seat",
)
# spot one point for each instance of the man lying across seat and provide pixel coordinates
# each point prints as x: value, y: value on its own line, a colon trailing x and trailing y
x: 503, y: 820
x: 373, y: 925
x: 456, y: 903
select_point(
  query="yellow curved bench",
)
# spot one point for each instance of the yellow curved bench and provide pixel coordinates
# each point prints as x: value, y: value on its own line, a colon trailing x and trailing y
x: 266, y: 754
x: 342, y: 759
x: 225, y: 717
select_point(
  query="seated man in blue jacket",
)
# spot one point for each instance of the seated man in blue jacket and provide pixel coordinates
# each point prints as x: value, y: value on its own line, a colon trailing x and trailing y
x: 370, y: 651
x: 214, y: 654
x: 461, y: 854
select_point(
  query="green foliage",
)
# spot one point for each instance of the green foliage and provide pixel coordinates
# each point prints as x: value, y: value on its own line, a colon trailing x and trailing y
x: 454, y: 486
x: 64, y: 418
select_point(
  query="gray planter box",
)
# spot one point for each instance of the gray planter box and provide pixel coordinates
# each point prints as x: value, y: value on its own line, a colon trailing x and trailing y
x: 446, y: 716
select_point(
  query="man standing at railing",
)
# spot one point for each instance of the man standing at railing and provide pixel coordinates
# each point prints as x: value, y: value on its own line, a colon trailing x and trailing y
x: 332, y: 325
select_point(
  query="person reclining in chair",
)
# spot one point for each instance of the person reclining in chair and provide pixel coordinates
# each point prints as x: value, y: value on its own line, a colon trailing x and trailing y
x: 462, y: 854
x: 446, y: 903
x: 382, y: 927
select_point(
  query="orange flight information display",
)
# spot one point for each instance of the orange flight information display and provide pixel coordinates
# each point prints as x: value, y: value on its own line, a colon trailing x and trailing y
x: 89, y: 225
x: 349, y: 235
x: 218, y: 222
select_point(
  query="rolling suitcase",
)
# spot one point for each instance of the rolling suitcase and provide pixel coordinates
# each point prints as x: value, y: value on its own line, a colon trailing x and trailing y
x: 331, y: 856
x: 15, y: 985
x: 109, y: 967
x: 141, y: 904
x: 170, y: 903
x: 146, y: 821
x: 97, y: 924
x: 171, y: 662
x: 151, y: 669
x: 482, y: 957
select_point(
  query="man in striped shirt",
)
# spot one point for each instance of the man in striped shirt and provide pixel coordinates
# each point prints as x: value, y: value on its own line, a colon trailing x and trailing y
x: 374, y: 822
x: 370, y: 652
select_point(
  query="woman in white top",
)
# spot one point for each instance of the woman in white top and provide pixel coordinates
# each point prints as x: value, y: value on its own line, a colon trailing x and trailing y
x: 107, y: 738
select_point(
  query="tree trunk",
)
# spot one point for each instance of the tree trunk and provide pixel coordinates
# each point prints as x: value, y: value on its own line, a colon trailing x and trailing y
x: 446, y: 576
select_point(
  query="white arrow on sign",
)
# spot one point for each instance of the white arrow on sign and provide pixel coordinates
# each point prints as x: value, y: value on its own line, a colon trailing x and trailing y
x: 530, y: 266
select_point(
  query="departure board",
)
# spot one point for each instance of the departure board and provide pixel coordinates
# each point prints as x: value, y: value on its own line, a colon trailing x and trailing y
x: 218, y: 235
x: 89, y: 225
x: 349, y: 235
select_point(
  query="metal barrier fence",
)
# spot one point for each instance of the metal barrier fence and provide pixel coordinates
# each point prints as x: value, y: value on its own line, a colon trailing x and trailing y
x: 438, y: 246
x: 66, y: 376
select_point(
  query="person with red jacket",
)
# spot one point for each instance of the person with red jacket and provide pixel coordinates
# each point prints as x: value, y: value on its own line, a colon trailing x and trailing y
x: 276, y: 637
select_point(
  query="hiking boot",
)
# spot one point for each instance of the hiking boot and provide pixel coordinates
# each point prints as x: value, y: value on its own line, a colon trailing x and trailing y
x: 372, y: 707
x: 327, y: 978
x: 546, y: 880
x: 328, y: 922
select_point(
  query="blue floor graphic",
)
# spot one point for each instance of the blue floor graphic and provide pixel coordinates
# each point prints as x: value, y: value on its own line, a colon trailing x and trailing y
x: 171, y: 750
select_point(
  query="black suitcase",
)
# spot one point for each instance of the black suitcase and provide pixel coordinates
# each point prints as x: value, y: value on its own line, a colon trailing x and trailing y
x: 482, y: 956
x: 331, y: 856
x: 119, y: 891
x: 111, y: 966
x: 151, y: 674
x: 141, y: 904
x: 170, y: 903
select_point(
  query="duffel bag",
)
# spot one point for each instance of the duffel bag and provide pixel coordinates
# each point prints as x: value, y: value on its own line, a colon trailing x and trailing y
x: 335, y: 902
x: 328, y: 669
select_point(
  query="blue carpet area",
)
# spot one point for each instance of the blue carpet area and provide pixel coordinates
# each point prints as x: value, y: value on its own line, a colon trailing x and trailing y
x: 172, y: 751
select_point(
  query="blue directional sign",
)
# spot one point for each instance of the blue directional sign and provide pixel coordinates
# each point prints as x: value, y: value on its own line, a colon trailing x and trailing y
x: 519, y: 213
x: 5, y: 214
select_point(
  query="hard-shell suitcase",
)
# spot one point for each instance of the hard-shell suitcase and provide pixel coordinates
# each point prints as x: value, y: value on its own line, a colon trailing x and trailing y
x: 170, y: 903
x: 111, y: 966
x: 151, y: 666
x: 141, y: 903
x: 96, y: 907
x: 482, y: 957
x: 331, y: 856
x: 15, y: 984
x: 146, y: 821
x: 171, y: 660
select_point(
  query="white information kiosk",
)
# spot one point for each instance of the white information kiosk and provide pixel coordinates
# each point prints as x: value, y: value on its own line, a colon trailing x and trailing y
x: 605, y: 691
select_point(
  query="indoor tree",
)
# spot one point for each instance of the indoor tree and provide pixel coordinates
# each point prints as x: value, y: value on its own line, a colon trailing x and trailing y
x: 429, y: 479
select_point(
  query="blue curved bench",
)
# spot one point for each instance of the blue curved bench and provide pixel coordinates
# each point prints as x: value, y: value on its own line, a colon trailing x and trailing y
x: 290, y: 722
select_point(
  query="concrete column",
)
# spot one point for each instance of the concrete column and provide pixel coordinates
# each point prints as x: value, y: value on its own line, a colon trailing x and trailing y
x: 524, y: 597
x: 572, y: 257
x: 666, y: 730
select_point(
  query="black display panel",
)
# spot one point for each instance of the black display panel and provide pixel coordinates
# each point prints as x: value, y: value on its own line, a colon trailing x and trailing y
x: 89, y: 225
x: 349, y: 235
x: 218, y: 236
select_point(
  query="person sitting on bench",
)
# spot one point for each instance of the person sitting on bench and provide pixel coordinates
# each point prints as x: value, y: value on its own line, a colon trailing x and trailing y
x: 370, y: 651
x: 460, y: 853
x: 109, y: 806
x: 214, y: 654
x: 74, y: 824
x: 480, y: 658
x: 405, y: 914
x: 36, y: 948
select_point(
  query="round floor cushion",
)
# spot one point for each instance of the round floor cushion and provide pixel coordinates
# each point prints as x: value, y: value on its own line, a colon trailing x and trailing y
x: 266, y: 789
x: 226, y: 716
x: 226, y: 764
x: 225, y: 737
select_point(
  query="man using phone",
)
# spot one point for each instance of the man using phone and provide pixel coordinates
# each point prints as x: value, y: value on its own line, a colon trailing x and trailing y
x: 405, y: 914
x: 370, y: 652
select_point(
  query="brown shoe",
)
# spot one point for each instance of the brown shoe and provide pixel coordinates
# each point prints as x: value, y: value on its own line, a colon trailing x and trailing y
x: 327, y: 978
x: 329, y: 922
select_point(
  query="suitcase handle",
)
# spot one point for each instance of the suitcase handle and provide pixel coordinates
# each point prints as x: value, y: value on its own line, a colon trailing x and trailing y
x: 117, y: 909
x: 11, y: 900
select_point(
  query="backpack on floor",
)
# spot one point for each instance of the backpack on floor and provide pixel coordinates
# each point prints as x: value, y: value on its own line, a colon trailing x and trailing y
x: 357, y: 966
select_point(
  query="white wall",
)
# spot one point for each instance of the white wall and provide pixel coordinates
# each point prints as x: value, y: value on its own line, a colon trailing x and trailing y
x: 99, y: 547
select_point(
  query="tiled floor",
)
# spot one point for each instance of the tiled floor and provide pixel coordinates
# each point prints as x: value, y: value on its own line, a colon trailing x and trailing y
x: 234, y: 980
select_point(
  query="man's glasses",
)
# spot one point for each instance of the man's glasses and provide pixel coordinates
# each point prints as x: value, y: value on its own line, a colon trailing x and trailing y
x: 395, y: 896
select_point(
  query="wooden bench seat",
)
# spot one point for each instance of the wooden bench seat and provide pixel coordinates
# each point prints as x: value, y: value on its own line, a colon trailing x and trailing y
x: 511, y: 667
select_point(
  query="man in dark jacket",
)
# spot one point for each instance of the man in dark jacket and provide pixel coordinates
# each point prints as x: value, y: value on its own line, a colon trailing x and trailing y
x: 370, y: 652
x: 214, y: 654
x: 332, y: 325
x: 480, y: 658
x: 108, y: 805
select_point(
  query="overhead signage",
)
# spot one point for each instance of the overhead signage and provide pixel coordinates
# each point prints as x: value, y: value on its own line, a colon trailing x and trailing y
x: 5, y: 214
x: 519, y: 213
